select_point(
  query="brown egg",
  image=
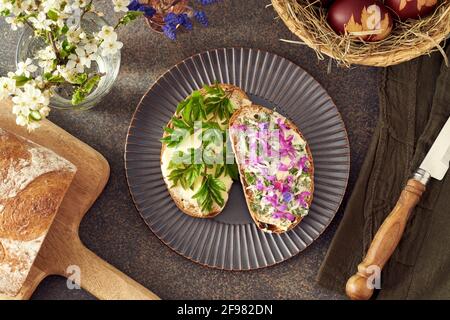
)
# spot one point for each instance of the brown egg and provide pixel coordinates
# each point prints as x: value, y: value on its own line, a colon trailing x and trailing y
x: 411, y: 9
x: 370, y: 20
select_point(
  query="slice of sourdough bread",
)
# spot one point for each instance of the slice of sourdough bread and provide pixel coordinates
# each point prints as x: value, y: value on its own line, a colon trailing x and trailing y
x: 270, y: 181
x: 182, y: 197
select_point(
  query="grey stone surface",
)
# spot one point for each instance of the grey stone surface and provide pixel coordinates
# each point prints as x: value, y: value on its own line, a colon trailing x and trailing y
x: 113, y: 228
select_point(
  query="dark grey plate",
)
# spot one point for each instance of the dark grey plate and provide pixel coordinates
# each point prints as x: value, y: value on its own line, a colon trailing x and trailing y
x: 231, y: 240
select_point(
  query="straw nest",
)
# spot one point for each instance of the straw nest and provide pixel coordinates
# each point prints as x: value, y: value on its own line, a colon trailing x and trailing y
x: 408, y: 40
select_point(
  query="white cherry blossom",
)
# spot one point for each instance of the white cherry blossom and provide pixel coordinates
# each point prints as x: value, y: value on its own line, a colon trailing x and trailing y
x: 75, y: 63
x: 90, y: 45
x: 26, y: 68
x: 121, y: 5
x: 41, y: 22
x: 14, y: 22
x: 75, y: 35
x: 110, y: 47
x: 6, y: 5
x: 7, y: 87
x: 107, y: 34
x: 46, y: 58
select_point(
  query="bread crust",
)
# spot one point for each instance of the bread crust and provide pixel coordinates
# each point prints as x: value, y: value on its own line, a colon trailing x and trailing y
x: 184, y: 206
x: 248, y: 111
x: 33, y: 183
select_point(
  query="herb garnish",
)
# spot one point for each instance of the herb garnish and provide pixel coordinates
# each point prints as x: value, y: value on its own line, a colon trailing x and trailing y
x: 213, y: 108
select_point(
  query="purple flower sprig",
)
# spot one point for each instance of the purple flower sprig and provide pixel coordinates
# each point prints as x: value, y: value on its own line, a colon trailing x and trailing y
x: 172, y: 21
x: 148, y: 11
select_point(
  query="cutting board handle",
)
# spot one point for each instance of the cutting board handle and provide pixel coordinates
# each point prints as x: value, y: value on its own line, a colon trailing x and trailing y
x: 385, y: 242
x: 97, y: 276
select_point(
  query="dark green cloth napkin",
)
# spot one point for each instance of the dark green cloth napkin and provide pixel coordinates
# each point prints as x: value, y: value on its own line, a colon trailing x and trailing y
x: 414, y: 105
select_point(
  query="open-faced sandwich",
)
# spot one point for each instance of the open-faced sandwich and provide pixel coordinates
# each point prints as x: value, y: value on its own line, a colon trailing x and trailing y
x: 195, y: 160
x: 275, y: 165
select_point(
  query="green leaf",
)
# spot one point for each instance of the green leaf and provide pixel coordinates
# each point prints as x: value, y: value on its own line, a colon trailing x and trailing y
x: 168, y: 130
x: 52, y: 15
x: 35, y: 115
x: 250, y: 178
x: 218, y: 103
x: 5, y: 13
x: 48, y: 76
x: 186, y: 113
x: 219, y: 171
x: 85, y: 88
x: 185, y: 172
x: 66, y: 49
x: 182, y: 105
x: 90, y: 84
x: 129, y: 16
x: 80, y: 78
x: 78, y: 96
x: 232, y: 170
x: 21, y: 80
x: 210, y: 192
x: 64, y: 29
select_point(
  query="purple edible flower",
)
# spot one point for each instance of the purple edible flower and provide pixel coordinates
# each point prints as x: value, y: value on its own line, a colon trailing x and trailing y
x: 289, y: 179
x: 201, y: 18
x: 283, y: 167
x: 278, y: 215
x: 302, y: 163
x: 289, y: 216
x: 134, y: 5
x: 172, y: 19
x: 272, y: 199
x: 281, y: 214
x: 206, y: 2
x: 240, y: 127
x: 148, y: 11
x: 301, y: 198
x: 185, y: 21
x: 259, y: 185
x: 287, y: 196
x: 170, y: 31
x: 263, y: 125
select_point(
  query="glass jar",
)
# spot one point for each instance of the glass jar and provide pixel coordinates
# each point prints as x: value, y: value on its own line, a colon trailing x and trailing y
x: 108, y: 66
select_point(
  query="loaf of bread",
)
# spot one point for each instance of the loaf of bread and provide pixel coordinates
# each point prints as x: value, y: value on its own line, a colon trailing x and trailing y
x: 33, y: 182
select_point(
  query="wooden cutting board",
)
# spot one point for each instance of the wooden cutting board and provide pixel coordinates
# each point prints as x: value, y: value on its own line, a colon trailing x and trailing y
x: 62, y: 251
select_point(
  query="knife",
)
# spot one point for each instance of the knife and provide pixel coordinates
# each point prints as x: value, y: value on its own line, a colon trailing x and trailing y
x: 434, y: 165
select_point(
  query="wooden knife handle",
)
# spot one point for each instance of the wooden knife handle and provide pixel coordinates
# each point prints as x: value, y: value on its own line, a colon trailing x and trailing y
x: 385, y: 241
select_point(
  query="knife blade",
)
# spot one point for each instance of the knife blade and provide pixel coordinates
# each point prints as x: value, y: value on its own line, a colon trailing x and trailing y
x: 434, y: 165
x: 437, y: 160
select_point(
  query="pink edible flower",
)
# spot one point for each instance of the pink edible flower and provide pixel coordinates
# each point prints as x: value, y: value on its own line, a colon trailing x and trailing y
x: 282, y: 124
x: 259, y: 185
x: 281, y: 214
x: 283, y: 167
x: 278, y: 186
x: 240, y: 127
x: 301, y: 198
x: 289, y: 216
x: 272, y: 199
x: 278, y: 215
x: 302, y: 163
